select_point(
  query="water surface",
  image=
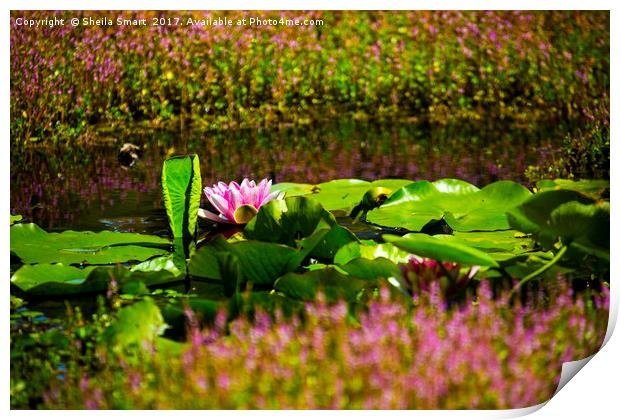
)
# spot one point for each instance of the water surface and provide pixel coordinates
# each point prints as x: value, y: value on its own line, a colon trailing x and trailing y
x: 85, y: 187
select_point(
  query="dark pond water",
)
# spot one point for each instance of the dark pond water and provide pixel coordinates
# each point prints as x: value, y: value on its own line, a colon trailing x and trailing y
x: 85, y: 187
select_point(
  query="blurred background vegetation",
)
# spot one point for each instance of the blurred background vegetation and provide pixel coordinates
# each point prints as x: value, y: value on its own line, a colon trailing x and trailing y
x: 520, y: 66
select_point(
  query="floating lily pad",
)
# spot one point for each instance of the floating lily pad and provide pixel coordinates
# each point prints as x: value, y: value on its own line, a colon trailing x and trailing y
x: 284, y: 221
x: 339, y: 194
x: 593, y: 188
x: 173, y: 263
x: 34, y: 245
x: 15, y: 218
x: 324, y: 243
x: 329, y: 280
x: 370, y: 250
x: 463, y: 206
x: 567, y: 216
x: 371, y: 269
x: 427, y: 246
x: 495, y: 241
x: 62, y: 280
x: 58, y: 278
x: 259, y: 262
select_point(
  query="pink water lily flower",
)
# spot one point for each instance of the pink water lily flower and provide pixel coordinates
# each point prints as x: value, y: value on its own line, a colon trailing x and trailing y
x: 238, y: 204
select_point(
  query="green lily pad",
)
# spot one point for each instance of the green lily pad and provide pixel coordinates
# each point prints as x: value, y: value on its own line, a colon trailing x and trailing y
x: 324, y: 243
x: 378, y: 268
x: 57, y: 278
x: 339, y: 194
x: 62, y: 280
x: 173, y: 263
x: 427, y: 246
x: 587, y: 224
x: 370, y: 250
x: 284, y: 221
x: 463, y: 206
x: 259, y: 262
x: 329, y: 280
x: 137, y: 324
x: 293, y: 189
x: 591, y: 187
x: 34, y: 245
x: 15, y: 218
x: 495, y: 241
x: 565, y: 215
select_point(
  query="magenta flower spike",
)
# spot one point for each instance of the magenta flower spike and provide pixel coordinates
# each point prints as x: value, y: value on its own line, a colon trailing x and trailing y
x: 238, y: 204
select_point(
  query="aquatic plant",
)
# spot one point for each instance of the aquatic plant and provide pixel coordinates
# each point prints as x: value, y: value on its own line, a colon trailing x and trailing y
x: 482, y: 355
x: 238, y: 204
x: 294, y: 253
x: 420, y: 274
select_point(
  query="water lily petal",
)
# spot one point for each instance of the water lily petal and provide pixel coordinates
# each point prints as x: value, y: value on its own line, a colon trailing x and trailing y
x: 263, y: 190
x: 270, y: 197
x: 208, y: 191
x: 246, y: 191
x: 206, y: 214
x: 219, y: 203
x: 236, y: 200
x: 221, y: 186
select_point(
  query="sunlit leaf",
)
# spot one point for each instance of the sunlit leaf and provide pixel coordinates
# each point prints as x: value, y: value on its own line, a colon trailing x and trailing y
x: 429, y: 247
x: 463, y: 206
x: 34, y: 245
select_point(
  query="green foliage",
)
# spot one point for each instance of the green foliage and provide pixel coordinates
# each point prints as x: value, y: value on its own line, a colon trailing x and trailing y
x: 332, y: 282
x: 260, y: 263
x: 57, y: 280
x: 136, y: 325
x: 341, y: 194
x: 463, y: 206
x: 34, y: 245
x: 370, y: 250
x: 585, y: 154
x: 592, y: 188
x: 284, y: 221
x: 182, y: 187
x: 362, y: 63
x: 566, y: 216
x: 436, y: 249
x: 174, y: 313
x: 324, y: 243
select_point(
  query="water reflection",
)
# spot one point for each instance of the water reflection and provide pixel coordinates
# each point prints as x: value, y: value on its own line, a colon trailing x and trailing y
x: 85, y: 187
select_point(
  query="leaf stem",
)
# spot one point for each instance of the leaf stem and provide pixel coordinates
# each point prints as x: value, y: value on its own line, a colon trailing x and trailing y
x: 541, y: 270
x: 447, y: 273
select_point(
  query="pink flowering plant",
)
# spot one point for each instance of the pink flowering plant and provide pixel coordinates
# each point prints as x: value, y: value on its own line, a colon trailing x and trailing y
x: 484, y: 355
x: 237, y: 204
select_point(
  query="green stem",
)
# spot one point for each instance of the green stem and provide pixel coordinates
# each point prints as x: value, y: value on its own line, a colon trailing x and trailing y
x: 447, y: 273
x: 541, y: 270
